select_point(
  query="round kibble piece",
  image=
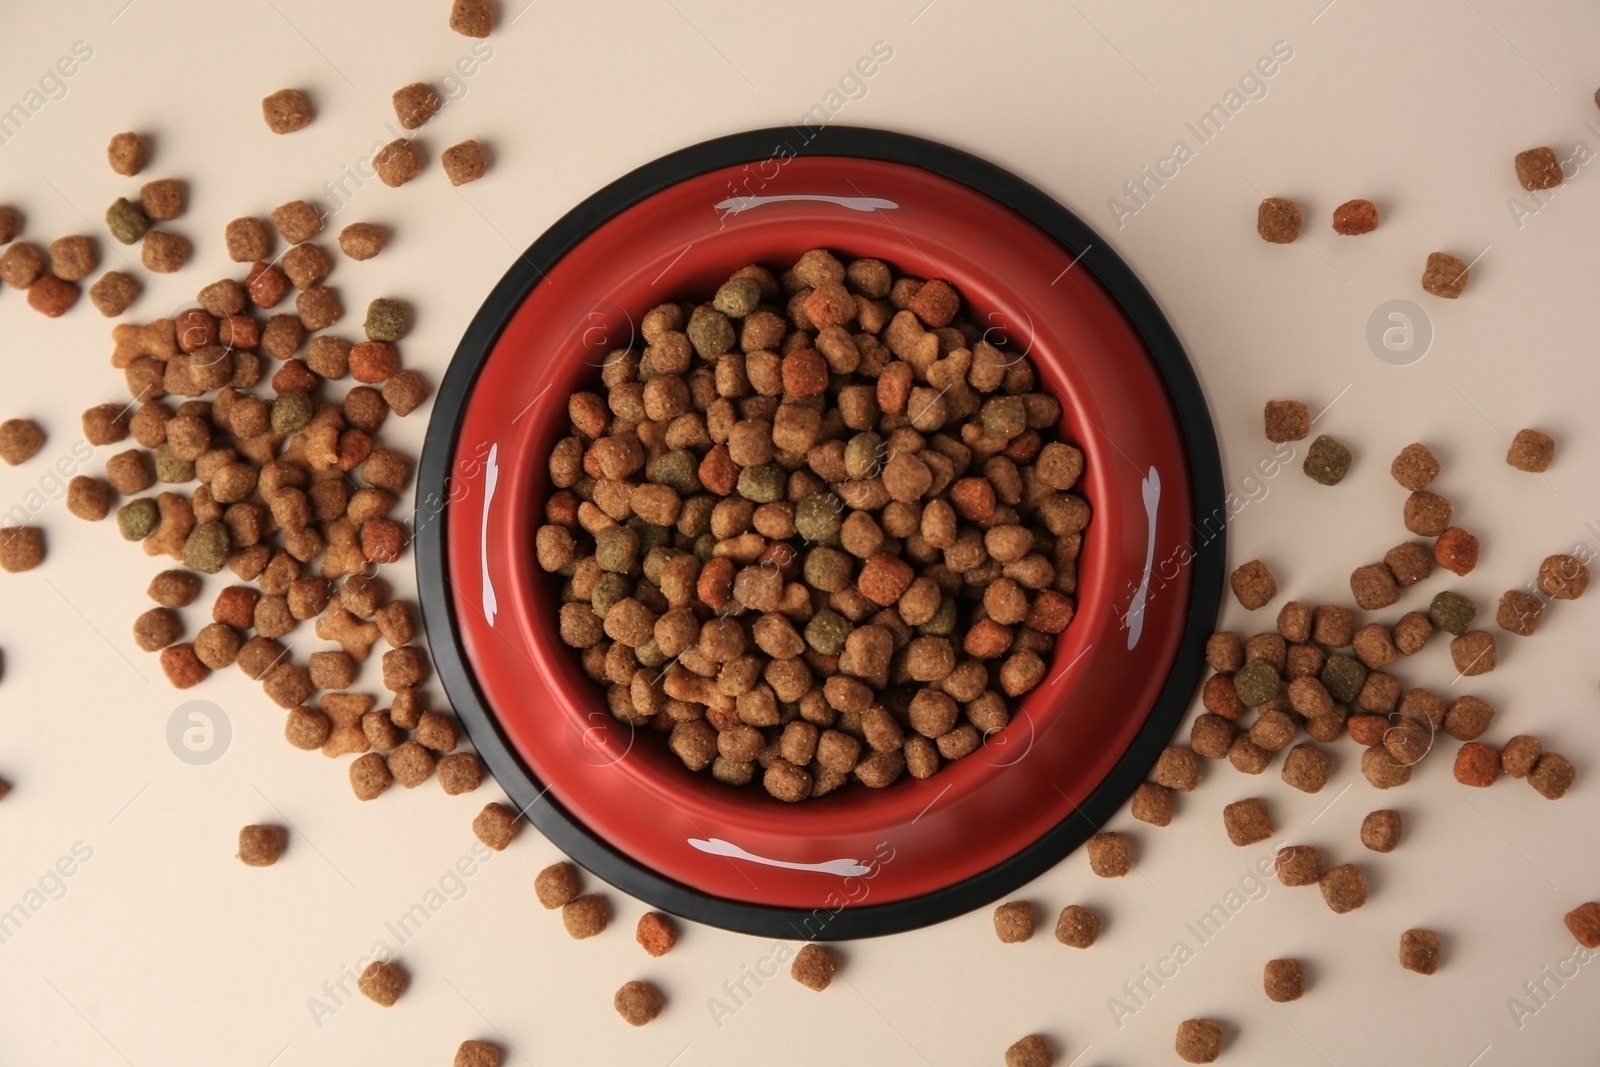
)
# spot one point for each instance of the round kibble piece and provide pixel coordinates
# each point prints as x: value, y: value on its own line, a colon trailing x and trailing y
x: 1563, y: 577
x: 383, y: 983
x: 1030, y: 1051
x: 1420, y: 951
x: 1381, y: 830
x: 814, y: 967
x: 1278, y: 222
x: 1327, y: 461
x: 260, y: 846
x: 638, y: 1003
x: 1109, y: 855
x: 1552, y: 776
x: 1247, y: 821
x: 1200, y: 1040
x: 556, y: 885
x: 495, y: 826
x: 1344, y: 888
x: 655, y: 933
x: 1532, y: 451
x: 1078, y: 927
x: 1013, y: 922
x: 1284, y: 980
x: 1253, y: 584
x: 1299, y: 865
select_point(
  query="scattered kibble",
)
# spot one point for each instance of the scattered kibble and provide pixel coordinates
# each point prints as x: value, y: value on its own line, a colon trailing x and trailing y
x: 1452, y: 612
x: 21, y: 548
x: 114, y: 293
x: 1247, y: 821
x: 1299, y: 865
x: 477, y: 1054
x: 1030, y: 1051
x: 1199, y: 1040
x: 1520, y: 754
x: 638, y: 1003
x: 1552, y: 776
x: 556, y: 885
x: 1477, y: 765
x: 1563, y: 577
x: 1419, y: 951
x: 127, y: 153
x: 397, y: 162
x: 1278, y: 220
x: 163, y: 199
x: 1110, y: 855
x: 1415, y: 467
x: 1474, y: 652
x: 286, y: 110
x: 1532, y: 451
x: 1077, y: 927
x: 1355, y: 217
x: 20, y: 440
x: 1380, y: 830
x: 585, y: 916
x: 655, y: 933
x: 1538, y: 168
x: 1444, y: 275
x: 814, y: 967
x: 1284, y: 980
x: 1013, y: 922
x: 1583, y: 922
x: 1327, y: 461
x: 1253, y: 584
x: 383, y: 982
x: 1344, y: 888
x: 472, y: 18
x: 464, y: 162
x: 260, y: 846
x: 1456, y: 550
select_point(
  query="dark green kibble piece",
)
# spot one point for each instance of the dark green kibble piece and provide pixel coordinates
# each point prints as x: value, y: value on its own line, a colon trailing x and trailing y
x: 609, y: 589
x: 678, y: 470
x: 763, y: 484
x: 711, y: 334
x: 705, y: 546
x: 650, y: 655
x: 827, y: 569
x: 737, y: 297
x: 1327, y: 461
x: 1453, y: 612
x: 170, y: 469
x: 1004, y: 417
x: 616, y: 548
x: 816, y: 518
x: 657, y: 558
x: 1343, y: 677
x: 386, y: 320
x: 1257, y: 683
x: 826, y: 632
x: 206, y: 549
x: 126, y: 220
x: 943, y: 623
x: 137, y: 518
x: 291, y: 412
x: 650, y: 536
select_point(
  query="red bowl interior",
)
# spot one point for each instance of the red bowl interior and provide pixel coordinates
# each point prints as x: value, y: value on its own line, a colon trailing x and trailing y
x: 915, y: 836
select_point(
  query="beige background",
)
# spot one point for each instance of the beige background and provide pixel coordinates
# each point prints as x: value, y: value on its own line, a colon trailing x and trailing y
x: 164, y: 949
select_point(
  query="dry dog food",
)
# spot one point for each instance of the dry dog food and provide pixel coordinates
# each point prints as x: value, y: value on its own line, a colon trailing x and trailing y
x: 495, y: 826
x: 21, y: 265
x: 164, y: 252
x: 1299, y: 865
x: 1152, y: 803
x: 472, y: 18
x: 361, y: 240
x: 1538, y: 168
x: 415, y: 104
x: 1552, y: 776
x: 1013, y: 922
x: 1307, y: 767
x: 1110, y: 854
x: 1253, y: 584
x: 1474, y: 652
x: 1077, y: 927
x: 1283, y: 980
x: 1444, y: 275
x: 1532, y: 451
x: 1467, y: 718
x: 1287, y: 420
x: 1477, y: 765
x: 459, y: 772
x: 1177, y: 768
x: 1380, y: 830
x: 638, y: 1003
x: 1278, y: 220
x: 1211, y: 736
x: 556, y: 885
x: 10, y: 224
x: 52, y: 297
x: 1382, y: 770
x: 1355, y: 217
x: 749, y: 539
x: 1374, y: 586
x: 286, y: 110
x: 397, y: 162
x: 1327, y: 461
x: 655, y: 933
x: 21, y: 548
x: 585, y: 916
x: 1200, y: 1040
x: 1584, y: 924
x: 370, y: 776
x: 1563, y: 577
x: 1248, y: 757
x: 1456, y: 550
x: 1520, y: 754
x: 127, y: 153
x: 1452, y: 612
x: 248, y: 240
x: 1344, y: 888
x: 383, y: 982
x: 260, y: 846
x: 163, y: 199
x: 1415, y: 467
x: 20, y: 439
x: 1030, y: 1051
x: 1247, y: 821
x: 814, y: 967
x: 464, y: 162
x: 114, y: 292
x: 477, y: 1054
x: 1519, y: 613
x: 1419, y: 951
x: 72, y: 259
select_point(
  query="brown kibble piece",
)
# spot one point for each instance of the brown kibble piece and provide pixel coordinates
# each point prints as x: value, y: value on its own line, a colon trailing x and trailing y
x: 1374, y: 587
x: 1200, y: 1040
x: 127, y: 153
x: 1344, y: 888
x: 415, y: 104
x: 1253, y: 584
x: 1355, y: 217
x: 397, y: 163
x: 260, y: 846
x: 1247, y: 821
x: 1456, y: 550
x: 1444, y: 275
x: 1552, y: 776
x: 1298, y: 865
x: 1152, y: 803
x: 1283, y: 980
x: 1177, y: 768
x: 477, y: 1054
x: 495, y: 826
x: 1415, y: 467
x: 1419, y: 951
x: 21, y: 548
x: 472, y: 18
x: 1477, y: 765
x: 655, y: 933
x: 459, y: 772
x: 556, y: 885
x: 1583, y: 922
x: 370, y: 776
x: 1109, y: 855
x: 1278, y: 220
x: 361, y: 240
x: 1381, y: 830
x: 1563, y: 577
x: 585, y: 916
x: 1077, y: 927
x: 1013, y: 922
x: 1307, y: 767
x: 638, y: 1003
x: 1538, y: 168
x: 1474, y: 652
x: 464, y: 162
x: 814, y: 967
x: 383, y: 983
x: 20, y: 440
x: 286, y: 110
x: 1532, y: 451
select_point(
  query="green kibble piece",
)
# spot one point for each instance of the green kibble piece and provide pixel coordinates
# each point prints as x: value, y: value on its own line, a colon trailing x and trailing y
x: 291, y: 411
x: 170, y: 469
x: 386, y: 320
x: 677, y: 470
x: 943, y: 623
x: 137, y: 518
x: 705, y: 546
x: 609, y: 589
x: 827, y: 569
x: 657, y: 558
x: 826, y: 632
x: 763, y: 484
x: 206, y: 549
x: 737, y: 297
x: 1453, y: 612
x: 616, y: 548
x: 1327, y: 461
x: 711, y: 334
x: 650, y: 535
x: 1004, y: 417
x: 1343, y: 677
x: 1257, y: 683
x: 816, y: 518
x: 650, y: 655
x: 126, y: 220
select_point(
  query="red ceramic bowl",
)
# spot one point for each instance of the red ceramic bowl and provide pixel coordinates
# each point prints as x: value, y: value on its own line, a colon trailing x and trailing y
x: 859, y: 861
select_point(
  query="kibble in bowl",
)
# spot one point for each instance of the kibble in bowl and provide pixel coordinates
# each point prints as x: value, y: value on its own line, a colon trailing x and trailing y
x: 815, y: 709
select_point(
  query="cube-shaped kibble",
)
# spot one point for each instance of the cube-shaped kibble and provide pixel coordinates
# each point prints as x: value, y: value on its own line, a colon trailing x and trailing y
x: 1109, y: 855
x: 1013, y: 922
x: 1247, y: 821
x: 1415, y: 467
x: 1380, y: 830
x: 1327, y: 461
x: 1299, y: 865
x: 1284, y: 980
x: 1253, y: 584
x: 1078, y: 927
x: 1419, y: 951
x: 1538, y: 168
x: 1532, y: 451
x: 1344, y: 888
x: 286, y: 110
x: 1444, y: 275
x: 1287, y: 420
x: 1278, y: 220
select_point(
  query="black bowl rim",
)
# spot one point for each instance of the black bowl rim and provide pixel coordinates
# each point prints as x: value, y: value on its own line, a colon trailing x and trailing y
x: 502, y: 759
